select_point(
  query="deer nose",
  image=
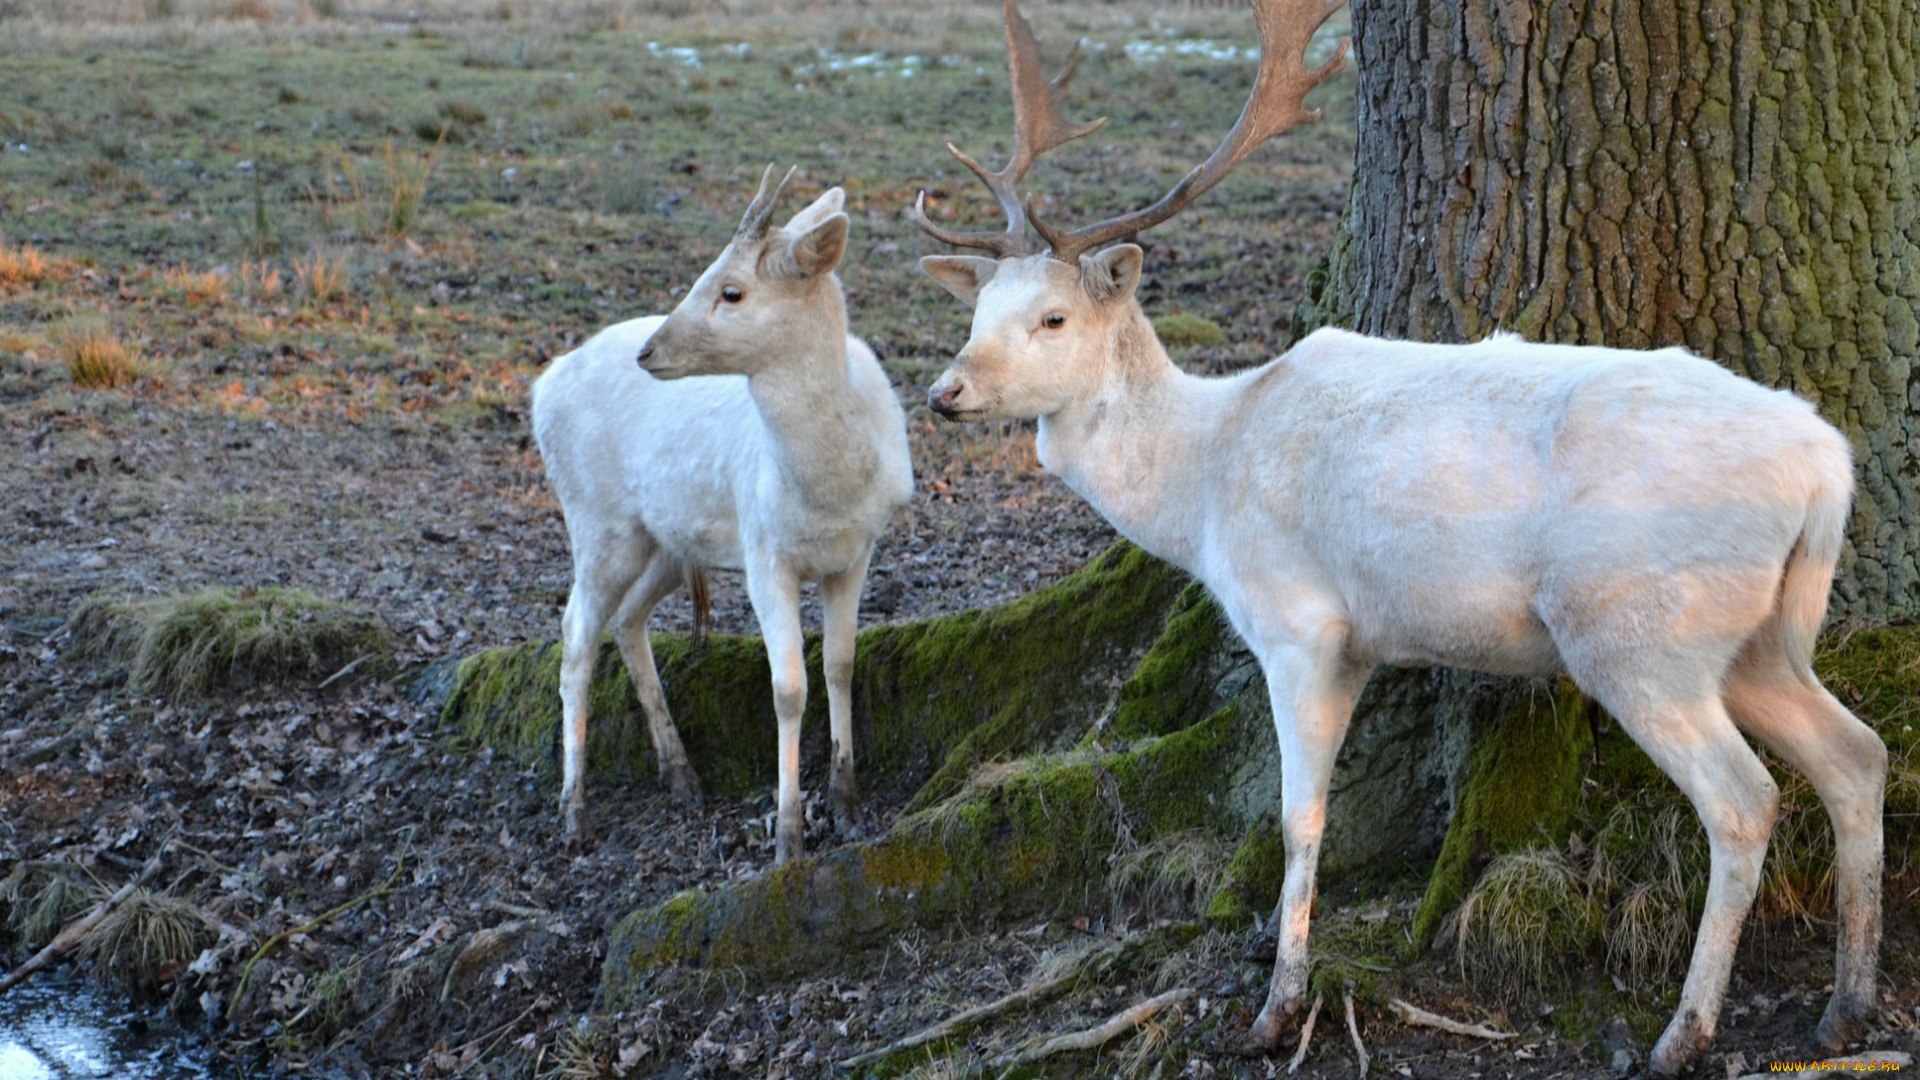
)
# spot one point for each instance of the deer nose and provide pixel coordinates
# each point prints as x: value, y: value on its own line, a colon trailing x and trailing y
x: 946, y: 400
x: 646, y: 354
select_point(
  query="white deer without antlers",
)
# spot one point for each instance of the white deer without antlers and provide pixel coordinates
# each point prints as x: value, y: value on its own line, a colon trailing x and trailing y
x: 786, y: 460
x: 1655, y: 526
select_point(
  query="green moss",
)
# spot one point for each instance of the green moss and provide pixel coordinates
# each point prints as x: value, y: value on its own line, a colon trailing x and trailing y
x: 932, y: 699
x: 1181, y: 328
x: 1178, y: 681
x: 1026, y: 837
x: 1522, y: 787
x: 223, y: 638
x: 1252, y: 879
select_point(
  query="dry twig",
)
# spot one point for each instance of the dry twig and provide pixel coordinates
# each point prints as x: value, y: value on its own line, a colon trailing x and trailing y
x: 246, y: 973
x: 961, y: 1022
x: 69, y: 937
x: 1093, y: 1037
x: 1306, y: 1034
x: 1416, y: 1016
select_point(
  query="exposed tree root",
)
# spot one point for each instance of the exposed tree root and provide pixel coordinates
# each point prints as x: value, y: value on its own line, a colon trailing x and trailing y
x: 69, y: 937
x: 1094, y: 1037
x: 1416, y: 1016
x: 1306, y: 1034
x: 955, y: 1025
x: 1353, y: 1029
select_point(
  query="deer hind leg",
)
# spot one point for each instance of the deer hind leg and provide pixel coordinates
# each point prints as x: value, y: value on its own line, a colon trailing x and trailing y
x: 1846, y: 762
x: 662, y: 575
x: 599, y: 581
x: 1677, y: 717
x: 1312, y: 689
x: 840, y: 599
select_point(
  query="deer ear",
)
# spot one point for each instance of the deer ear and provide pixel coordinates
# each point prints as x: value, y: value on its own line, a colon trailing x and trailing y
x: 830, y: 202
x: 816, y: 251
x: 1111, y: 275
x: 962, y: 275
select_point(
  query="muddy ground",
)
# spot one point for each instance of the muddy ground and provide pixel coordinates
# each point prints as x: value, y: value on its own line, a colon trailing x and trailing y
x: 410, y: 907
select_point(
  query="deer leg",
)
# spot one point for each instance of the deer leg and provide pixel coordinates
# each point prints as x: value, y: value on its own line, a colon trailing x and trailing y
x: 1688, y: 734
x: 598, y: 583
x: 840, y: 598
x: 660, y: 578
x: 1847, y: 764
x: 776, y: 602
x: 1313, y: 689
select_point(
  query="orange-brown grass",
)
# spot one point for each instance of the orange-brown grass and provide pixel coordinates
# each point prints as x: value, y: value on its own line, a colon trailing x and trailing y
x: 95, y: 358
x: 22, y: 266
x: 194, y: 286
x: 261, y: 281
x: 321, y: 277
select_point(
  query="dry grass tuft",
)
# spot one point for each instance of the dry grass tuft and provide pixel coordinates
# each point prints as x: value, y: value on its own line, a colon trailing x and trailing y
x: 249, y: 11
x: 196, y: 287
x: 321, y: 276
x: 392, y: 206
x: 1176, y: 873
x: 1527, y: 917
x: 261, y: 281
x: 175, y: 646
x: 96, y: 359
x: 580, y: 1053
x: 22, y: 266
x: 146, y: 940
x: 40, y: 901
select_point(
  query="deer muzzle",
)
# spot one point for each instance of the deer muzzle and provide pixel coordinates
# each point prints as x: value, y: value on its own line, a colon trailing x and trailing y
x: 943, y: 397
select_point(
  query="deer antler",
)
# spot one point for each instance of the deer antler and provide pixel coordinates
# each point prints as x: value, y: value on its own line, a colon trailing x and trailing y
x: 753, y: 224
x: 1275, y: 105
x: 1039, y: 126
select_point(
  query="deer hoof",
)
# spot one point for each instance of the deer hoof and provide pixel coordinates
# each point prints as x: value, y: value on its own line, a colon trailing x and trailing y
x: 684, y: 783
x: 576, y: 833
x: 1839, y: 1025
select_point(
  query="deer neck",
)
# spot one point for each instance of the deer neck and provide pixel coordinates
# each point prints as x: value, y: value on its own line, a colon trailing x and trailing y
x: 1135, y: 447
x: 821, y: 441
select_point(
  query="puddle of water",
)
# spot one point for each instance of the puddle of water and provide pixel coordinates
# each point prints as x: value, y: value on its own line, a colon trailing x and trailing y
x: 54, y: 1030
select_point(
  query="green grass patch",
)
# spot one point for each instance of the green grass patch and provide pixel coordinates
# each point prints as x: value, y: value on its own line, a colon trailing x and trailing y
x: 179, y: 646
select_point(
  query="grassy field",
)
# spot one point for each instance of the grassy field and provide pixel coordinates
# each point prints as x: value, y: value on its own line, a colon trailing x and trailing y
x: 357, y: 214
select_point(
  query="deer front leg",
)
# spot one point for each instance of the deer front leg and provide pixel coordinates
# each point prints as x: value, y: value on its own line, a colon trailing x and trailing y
x: 776, y: 601
x: 1312, y: 688
x: 840, y: 597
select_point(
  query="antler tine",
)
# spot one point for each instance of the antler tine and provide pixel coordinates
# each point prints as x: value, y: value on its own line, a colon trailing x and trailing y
x: 753, y: 224
x: 1276, y: 104
x: 1039, y: 125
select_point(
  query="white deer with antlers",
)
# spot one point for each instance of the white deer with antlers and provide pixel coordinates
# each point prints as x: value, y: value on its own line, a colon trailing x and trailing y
x: 786, y: 458
x: 1655, y: 526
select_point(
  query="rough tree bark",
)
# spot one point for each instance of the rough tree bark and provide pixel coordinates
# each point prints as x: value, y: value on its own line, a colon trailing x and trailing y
x: 1735, y: 176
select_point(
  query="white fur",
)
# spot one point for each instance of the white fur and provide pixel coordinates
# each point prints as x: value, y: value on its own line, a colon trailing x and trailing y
x: 1659, y: 528
x: 787, y: 465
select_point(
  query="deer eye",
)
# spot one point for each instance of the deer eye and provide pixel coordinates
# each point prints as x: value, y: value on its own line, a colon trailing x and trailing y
x: 1054, y: 321
x: 732, y: 294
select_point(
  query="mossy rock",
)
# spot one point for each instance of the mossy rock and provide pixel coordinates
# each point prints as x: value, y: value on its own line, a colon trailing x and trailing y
x: 932, y: 699
x: 176, y: 646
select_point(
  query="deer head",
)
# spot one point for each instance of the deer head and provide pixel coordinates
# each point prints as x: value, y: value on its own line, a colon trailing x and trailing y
x: 1047, y: 315
x: 764, y: 288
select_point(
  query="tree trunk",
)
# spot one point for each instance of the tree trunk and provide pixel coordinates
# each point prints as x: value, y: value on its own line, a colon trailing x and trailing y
x: 1734, y: 176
